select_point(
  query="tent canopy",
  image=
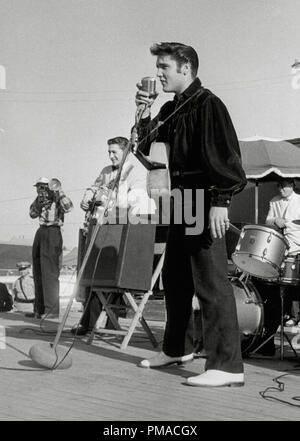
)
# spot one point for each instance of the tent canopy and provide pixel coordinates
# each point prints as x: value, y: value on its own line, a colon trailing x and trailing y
x: 265, y: 160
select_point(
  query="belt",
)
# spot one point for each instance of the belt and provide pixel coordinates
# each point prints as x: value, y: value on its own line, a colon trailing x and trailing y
x: 48, y: 226
x: 18, y: 300
x: 182, y: 174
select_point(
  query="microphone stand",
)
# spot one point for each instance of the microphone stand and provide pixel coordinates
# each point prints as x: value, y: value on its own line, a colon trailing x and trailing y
x: 148, y: 163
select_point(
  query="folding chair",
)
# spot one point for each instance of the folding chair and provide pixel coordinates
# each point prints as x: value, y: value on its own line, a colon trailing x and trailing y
x: 136, y: 302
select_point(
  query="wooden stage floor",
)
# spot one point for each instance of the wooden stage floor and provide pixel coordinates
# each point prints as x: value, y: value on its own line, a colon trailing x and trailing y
x: 104, y: 383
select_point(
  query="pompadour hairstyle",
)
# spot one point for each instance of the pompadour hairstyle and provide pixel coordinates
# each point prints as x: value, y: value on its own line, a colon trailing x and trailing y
x: 120, y: 140
x: 181, y: 53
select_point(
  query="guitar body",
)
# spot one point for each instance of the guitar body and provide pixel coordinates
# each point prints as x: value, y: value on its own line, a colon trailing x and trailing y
x: 158, y: 180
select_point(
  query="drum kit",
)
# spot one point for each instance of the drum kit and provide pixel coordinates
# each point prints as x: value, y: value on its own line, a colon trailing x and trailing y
x: 263, y: 253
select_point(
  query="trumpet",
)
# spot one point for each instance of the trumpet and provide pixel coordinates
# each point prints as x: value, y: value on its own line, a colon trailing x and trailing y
x: 47, y: 194
x: 54, y: 184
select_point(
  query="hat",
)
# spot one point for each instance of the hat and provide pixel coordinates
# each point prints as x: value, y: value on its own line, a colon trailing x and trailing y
x: 23, y: 265
x: 41, y: 180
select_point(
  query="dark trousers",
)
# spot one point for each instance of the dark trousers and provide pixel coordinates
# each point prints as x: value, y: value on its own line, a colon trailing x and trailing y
x: 291, y: 302
x: 270, y: 294
x: 46, y: 260
x: 199, y: 265
x: 93, y: 308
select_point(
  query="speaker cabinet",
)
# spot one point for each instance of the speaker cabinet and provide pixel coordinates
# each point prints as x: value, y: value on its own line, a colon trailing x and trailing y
x: 121, y: 257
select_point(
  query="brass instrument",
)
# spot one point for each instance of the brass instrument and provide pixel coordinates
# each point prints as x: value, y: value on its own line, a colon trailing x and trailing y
x: 54, y: 184
x: 47, y: 193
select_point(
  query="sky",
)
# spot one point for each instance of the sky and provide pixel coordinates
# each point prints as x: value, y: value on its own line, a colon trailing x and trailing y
x: 71, y: 72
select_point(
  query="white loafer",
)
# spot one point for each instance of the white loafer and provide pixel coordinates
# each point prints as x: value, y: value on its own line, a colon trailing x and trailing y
x: 216, y: 378
x: 161, y: 360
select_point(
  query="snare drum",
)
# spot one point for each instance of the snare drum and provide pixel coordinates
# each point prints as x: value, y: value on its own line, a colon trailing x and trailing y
x: 260, y: 251
x: 290, y: 271
x: 250, y: 313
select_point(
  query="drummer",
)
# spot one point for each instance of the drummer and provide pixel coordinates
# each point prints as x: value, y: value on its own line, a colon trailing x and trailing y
x: 283, y: 210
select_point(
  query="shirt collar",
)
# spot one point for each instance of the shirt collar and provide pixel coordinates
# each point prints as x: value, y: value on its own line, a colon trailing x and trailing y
x: 189, y: 91
x: 289, y: 197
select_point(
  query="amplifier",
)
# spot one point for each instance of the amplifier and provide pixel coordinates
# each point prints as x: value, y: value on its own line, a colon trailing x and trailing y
x: 121, y: 257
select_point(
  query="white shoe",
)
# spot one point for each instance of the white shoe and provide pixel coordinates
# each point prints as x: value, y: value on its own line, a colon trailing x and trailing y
x: 161, y: 359
x: 216, y: 378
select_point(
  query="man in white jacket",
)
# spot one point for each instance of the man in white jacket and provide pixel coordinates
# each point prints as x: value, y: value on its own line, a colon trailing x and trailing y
x: 129, y: 194
x: 284, y: 209
x: 132, y: 186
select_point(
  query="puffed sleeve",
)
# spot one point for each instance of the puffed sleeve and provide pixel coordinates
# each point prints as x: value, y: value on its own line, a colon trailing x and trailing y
x: 35, y: 209
x: 271, y: 216
x: 221, y: 151
x: 65, y: 202
x: 91, y: 191
x: 150, y: 130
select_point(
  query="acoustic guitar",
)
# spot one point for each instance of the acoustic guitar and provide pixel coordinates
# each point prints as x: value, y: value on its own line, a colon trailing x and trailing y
x: 158, y: 181
x: 158, y: 178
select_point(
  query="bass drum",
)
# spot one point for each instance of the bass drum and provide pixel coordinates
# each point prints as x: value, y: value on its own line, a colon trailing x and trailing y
x: 250, y: 313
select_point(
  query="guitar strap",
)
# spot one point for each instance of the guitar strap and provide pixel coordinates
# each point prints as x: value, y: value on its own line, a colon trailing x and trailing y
x: 22, y: 288
x: 160, y: 123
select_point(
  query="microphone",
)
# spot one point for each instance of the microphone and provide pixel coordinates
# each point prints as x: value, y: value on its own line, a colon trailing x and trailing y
x: 149, y: 85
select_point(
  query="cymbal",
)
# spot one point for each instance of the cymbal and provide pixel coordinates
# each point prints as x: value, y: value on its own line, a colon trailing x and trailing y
x: 296, y: 221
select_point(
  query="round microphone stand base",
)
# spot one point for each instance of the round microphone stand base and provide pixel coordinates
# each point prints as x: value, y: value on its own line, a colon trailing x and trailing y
x: 44, y: 354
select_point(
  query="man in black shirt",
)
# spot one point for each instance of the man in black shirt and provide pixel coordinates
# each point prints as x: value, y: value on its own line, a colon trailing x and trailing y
x: 204, y: 155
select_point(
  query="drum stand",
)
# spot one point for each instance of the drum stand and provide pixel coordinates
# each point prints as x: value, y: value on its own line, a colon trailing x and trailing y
x: 282, y: 333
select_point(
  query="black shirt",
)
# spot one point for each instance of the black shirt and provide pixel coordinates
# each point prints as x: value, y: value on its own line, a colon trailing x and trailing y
x: 6, y: 301
x: 204, y: 149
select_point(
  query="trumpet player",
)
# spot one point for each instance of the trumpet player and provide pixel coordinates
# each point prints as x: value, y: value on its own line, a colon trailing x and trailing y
x: 49, y: 206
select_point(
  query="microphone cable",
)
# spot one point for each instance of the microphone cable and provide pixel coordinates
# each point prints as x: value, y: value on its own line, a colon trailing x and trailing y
x: 280, y: 388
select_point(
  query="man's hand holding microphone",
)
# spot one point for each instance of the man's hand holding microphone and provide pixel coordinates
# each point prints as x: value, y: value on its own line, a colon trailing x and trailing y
x: 145, y: 96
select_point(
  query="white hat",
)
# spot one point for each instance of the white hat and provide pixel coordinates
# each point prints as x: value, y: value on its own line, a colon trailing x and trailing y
x: 41, y: 180
x: 23, y: 265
